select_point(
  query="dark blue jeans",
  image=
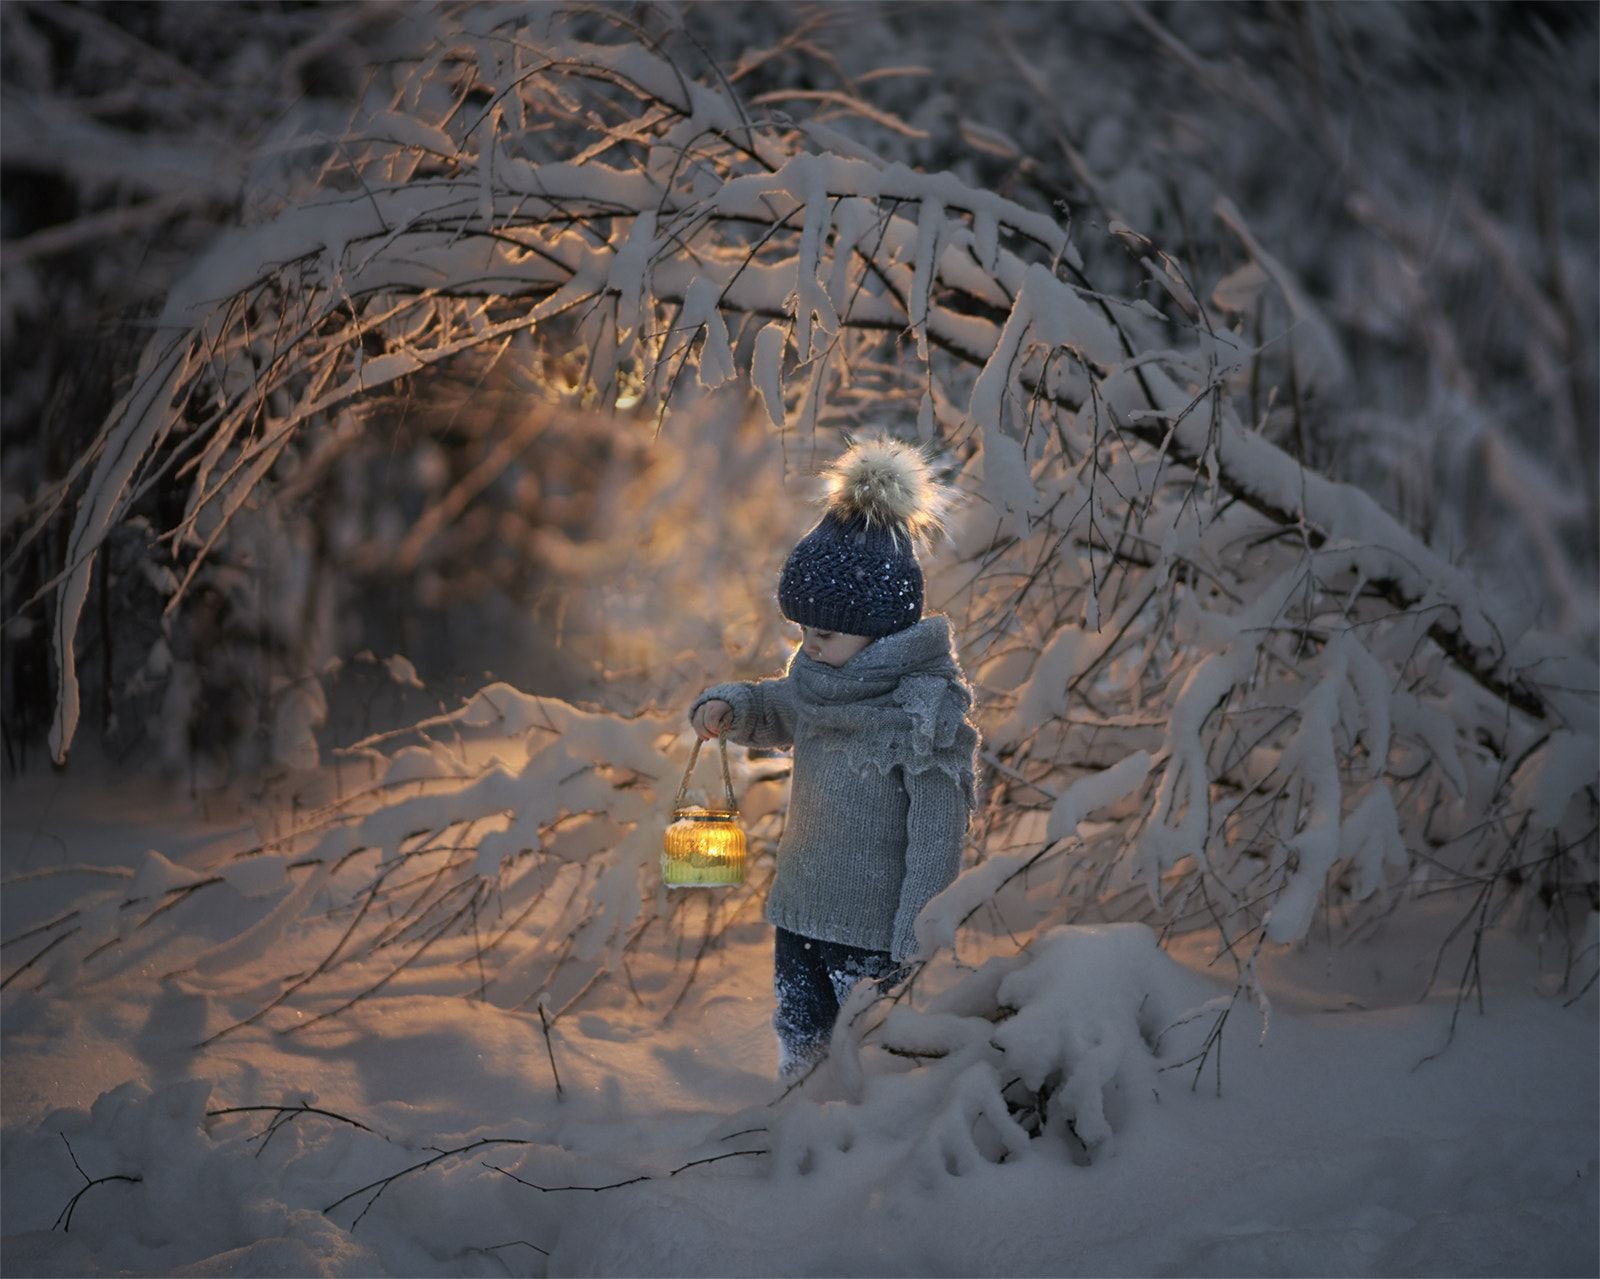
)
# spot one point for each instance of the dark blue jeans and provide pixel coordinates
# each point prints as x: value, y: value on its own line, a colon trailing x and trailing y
x: 811, y: 979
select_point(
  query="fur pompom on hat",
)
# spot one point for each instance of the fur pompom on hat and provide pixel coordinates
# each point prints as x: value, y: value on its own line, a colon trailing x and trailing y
x: 856, y: 572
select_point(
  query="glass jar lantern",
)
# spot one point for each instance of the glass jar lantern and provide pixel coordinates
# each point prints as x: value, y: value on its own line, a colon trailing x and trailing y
x: 704, y: 846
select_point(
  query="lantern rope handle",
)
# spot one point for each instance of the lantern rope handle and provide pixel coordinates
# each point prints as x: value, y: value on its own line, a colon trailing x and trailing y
x: 727, y: 778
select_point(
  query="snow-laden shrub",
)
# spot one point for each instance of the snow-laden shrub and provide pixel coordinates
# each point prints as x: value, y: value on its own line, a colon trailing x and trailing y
x: 1064, y: 1042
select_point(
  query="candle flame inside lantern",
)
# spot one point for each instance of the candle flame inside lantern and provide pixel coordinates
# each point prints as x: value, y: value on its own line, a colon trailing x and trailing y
x: 703, y: 847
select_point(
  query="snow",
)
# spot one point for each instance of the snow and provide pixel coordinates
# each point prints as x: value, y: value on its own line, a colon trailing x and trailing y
x: 1549, y: 779
x: 806, y: 183
x: 222, y: 1031
x: 1096, y: 791
x: 1325, y: 361
x: 1356, y: 1137
x: 766, y: 370
x: 700, y: 311
x: 930, y: 221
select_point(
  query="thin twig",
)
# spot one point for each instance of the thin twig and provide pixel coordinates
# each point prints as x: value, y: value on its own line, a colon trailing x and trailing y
x: 383, y: 981
x: 549, y: 1049
x: 383, y: 1183
x: 284, y: 1115
x: 49, y: 946
x: 64, y: 1219
x: 630, y: 1181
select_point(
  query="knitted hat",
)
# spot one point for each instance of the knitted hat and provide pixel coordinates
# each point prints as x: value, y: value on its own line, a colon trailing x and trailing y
x: 856, y: 572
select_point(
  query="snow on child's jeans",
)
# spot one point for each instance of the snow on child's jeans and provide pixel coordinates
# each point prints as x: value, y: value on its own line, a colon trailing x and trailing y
x: 812, y: 979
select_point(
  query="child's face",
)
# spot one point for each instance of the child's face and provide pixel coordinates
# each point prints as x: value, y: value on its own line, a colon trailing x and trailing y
x: 831, y: 648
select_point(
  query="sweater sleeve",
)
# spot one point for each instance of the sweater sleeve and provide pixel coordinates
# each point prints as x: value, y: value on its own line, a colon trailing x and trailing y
x: 763, y: 711
x: 936, y: 829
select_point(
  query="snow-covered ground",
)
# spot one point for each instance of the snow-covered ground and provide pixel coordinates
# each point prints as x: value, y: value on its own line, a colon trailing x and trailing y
x: 1333, y: 1148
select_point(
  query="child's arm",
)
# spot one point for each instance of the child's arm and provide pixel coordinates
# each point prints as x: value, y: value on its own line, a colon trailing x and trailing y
x: 763, y: 711
x: 936, y: 829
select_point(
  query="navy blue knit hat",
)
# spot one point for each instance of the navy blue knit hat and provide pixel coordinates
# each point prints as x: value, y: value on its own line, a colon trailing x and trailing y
x: 856, y: 572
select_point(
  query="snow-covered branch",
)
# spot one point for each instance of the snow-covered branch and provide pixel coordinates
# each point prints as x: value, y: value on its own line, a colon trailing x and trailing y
x: 1300, y: 699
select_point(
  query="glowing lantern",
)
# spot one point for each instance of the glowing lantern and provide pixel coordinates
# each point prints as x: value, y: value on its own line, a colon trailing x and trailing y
x: 704, y: 846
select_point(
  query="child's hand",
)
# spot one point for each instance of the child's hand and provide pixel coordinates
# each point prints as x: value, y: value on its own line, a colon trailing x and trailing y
x: 711, y: 718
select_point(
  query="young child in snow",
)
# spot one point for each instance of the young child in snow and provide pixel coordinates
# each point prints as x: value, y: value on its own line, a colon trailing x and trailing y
x: 875, y: 706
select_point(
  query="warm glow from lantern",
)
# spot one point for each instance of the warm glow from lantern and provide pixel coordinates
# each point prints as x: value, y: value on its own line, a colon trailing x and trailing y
x: 703, y: 847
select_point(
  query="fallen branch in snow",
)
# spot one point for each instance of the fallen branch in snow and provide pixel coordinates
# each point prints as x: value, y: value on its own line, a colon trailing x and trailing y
x: 66, y: 917
x: 514, y: 1243
x: 38, y: 955
x: 56, y: 872
x: 283, y: 1115
x: 64, y: 1220
x: 630, y: 1181
x: 383, y: 1183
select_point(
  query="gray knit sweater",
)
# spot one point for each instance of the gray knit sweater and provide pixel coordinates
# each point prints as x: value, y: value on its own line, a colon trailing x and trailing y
x: 883, y: 786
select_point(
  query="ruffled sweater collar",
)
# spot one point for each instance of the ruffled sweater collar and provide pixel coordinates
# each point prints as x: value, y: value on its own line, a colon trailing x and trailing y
x: 901, y: 702
x: 924, y: 649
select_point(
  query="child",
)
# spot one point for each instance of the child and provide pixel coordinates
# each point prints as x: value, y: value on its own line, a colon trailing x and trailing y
x: 875, y: 705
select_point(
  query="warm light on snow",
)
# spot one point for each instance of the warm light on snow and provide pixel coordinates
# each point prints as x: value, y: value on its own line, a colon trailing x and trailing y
x: 407, y: 412
x: 1334, y: 1144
